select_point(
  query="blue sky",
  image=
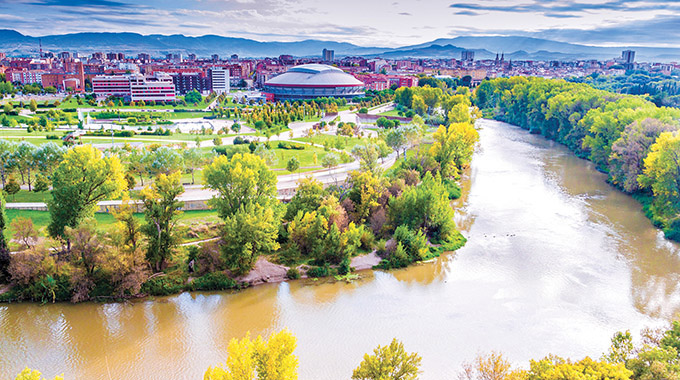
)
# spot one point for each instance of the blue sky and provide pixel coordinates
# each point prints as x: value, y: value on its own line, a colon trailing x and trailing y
x: 363, y: 22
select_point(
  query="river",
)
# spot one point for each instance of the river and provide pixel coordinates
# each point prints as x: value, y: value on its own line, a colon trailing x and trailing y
x: 557, y: 260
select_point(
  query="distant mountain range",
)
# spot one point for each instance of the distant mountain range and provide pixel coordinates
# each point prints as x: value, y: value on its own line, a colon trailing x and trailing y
x: 485, y: 47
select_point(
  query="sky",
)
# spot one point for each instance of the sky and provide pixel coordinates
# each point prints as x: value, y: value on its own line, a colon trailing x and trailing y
x: 382, y: 23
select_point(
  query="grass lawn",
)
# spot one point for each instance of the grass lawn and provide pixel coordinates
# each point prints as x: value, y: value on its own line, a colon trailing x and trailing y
x: 338, y: 142
x: 72, y: 103
x: 106, y: 222
x: 29, y: 196
x: 390, y: 113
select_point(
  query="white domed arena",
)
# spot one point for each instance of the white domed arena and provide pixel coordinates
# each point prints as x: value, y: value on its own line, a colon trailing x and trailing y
x: 313, y: 81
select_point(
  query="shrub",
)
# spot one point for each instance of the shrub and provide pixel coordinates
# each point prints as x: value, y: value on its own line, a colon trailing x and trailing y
x: 452, y: 188
x: 363, y: 110
x: 290, y: 145
x: 344, y: 267
x: 213, y: 281
x: 293, y: 274
x: 163, y: 286
x: 317, y: 272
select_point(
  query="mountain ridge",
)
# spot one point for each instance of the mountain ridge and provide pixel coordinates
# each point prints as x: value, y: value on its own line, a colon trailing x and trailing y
x: 485, y: 47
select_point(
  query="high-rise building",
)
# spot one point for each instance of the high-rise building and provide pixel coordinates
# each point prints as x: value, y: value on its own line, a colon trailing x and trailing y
x: 467, y: 55
x: 328, y: 55
x: 215, y: 57
x: 191, y: 57
x: 144, y: 57
x: 219, y: 78
x: 628, y: 57
x: 64, y: 55
x: 234, y: 57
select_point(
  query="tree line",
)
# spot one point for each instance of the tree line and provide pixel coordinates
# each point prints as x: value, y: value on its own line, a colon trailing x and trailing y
x: 628, y: 137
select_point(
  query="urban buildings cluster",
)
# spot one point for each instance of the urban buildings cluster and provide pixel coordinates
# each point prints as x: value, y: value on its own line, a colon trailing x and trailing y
x: 144, y: 77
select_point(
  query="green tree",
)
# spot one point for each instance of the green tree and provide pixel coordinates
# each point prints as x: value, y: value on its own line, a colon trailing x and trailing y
x: 193, y: 97
x: 367, y: 154
x: 239, y: 181
x: 163, y: 160
x: 4, y: 248
x: 425, y: 207
x: 12, y: 186
x: 83, y: 178
x: 193, y: 159
x: 33, y: 106
x: 390, y: 362
x: 293, y: 164
x: 161, y: 212
x: 249, y: 232
x: 308, y: 197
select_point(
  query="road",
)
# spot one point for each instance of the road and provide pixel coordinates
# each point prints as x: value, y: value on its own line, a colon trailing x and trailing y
x: 286, y: 185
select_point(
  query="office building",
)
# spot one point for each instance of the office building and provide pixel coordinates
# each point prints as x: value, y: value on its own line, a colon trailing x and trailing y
x: 328, y: 55
x: 219, y: 79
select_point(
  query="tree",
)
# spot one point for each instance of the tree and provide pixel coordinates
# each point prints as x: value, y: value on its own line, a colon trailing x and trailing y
x: 453, y: 147
x: 127, y: 223
x: 395, y: 139
x: 629, y: 151
x: 83, y: 178
x: 4, y: 248
x: 41, y: 183
x: 23, y: 159
x: 389, y: 363
x: 48, y: 156
x: 556, y: 368
x: 193, y: 96
x: 192, y: 160
x: 367, y: 155
x: 271, y: 360
x: 293, y: 164
x: 163, y: 161
x: 29, y: 374
x: 425, y: 207
x: 6, y: 154
x: 307, y: 198
x: 249, y: 232
x: 239, y: 181
x: 24, y: 231
x: 662, y: 174
x: 236, y: 127
x: 267, y: 155
x: 487, y: 367
x: 12, y: 187
x: 330, y: 160
x: 33, y: 106
x: 161, y: 212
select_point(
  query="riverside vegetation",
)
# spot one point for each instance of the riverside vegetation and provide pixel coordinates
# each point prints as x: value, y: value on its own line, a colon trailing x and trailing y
x: 403, y: 214
x: 636, y: 142
x: 656, y: 358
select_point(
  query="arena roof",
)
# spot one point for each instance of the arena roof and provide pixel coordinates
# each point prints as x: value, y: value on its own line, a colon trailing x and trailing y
x: 314, y: 75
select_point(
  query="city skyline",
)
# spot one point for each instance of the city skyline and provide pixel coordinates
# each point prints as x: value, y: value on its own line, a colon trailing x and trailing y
x: 384, y: 23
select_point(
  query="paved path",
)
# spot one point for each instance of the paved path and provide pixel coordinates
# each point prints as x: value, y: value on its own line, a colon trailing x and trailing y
x: 286, y: 185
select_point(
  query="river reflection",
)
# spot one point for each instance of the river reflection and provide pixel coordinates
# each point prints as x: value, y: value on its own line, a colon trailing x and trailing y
x: 556, y: 262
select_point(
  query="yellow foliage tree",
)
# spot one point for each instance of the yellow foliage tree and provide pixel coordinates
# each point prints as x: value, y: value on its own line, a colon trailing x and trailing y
x: 29, y: 374
x: 453, y: 147
x: 259, y: 359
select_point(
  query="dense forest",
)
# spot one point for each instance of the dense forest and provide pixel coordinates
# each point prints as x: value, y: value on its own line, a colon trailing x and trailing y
x: 633, y: 140
x: 662, y: 89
